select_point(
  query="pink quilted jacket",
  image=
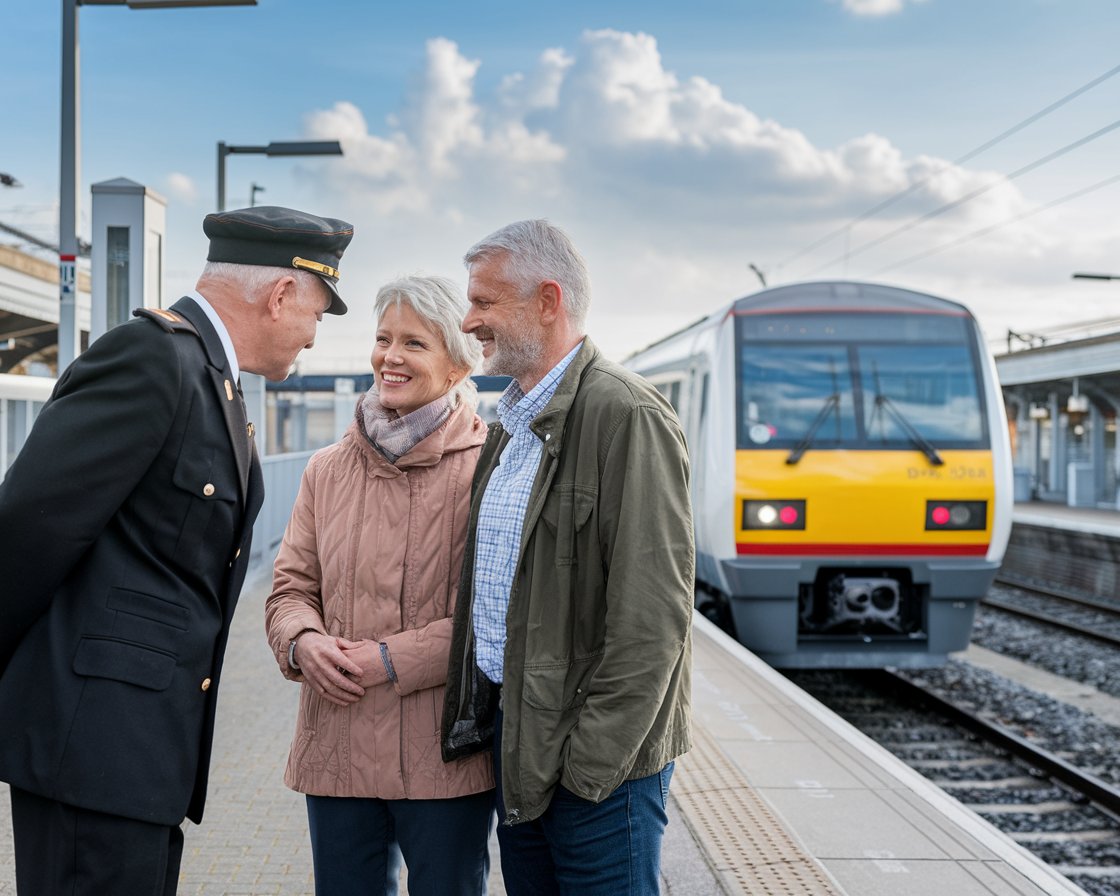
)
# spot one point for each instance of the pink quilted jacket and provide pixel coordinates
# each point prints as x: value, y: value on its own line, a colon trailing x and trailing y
x: 373, y: 550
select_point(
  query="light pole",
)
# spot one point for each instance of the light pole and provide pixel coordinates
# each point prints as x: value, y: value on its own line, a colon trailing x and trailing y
x: 290, y: 148
x: 68, y: 335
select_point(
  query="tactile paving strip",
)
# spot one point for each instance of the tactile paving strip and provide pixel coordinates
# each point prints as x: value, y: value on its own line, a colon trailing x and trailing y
x: 750, y: 850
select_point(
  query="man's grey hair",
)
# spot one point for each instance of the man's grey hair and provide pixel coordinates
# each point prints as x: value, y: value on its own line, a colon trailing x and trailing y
x: 536, y: 251
x: 440, y: 303
x: 256, y: 278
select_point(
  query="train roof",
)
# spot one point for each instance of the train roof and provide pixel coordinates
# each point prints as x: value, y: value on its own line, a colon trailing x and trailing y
x: 844, y: 295
x: 820, y: 296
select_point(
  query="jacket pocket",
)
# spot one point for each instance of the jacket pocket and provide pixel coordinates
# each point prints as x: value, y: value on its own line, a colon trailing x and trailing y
x: 124, y: 661
x: 566, y: 511
x: 560, y: 686
x: 150, y: 607
x: 205, y: 485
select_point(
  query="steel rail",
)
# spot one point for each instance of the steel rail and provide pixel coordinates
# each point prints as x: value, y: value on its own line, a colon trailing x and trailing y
x: 1093, y: 788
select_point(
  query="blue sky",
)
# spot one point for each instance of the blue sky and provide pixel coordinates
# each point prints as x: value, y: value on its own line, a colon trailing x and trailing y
x: 678, y: 143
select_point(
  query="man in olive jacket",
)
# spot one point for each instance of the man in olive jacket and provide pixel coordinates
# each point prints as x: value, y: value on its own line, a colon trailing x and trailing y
x: 571, y: 652
x: 125, y: 528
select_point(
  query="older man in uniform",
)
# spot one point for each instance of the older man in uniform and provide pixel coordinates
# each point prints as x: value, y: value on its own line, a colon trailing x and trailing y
x: 124, y: 537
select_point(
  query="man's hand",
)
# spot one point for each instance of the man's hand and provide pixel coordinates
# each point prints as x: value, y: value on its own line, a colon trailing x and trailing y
x: 327, y: 667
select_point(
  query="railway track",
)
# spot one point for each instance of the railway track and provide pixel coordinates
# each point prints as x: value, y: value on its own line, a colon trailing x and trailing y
x: 1088, y: 617
x: 1066, y: 814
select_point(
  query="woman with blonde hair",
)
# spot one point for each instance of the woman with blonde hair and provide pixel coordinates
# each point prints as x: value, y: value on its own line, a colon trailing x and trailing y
x: 360, y: 613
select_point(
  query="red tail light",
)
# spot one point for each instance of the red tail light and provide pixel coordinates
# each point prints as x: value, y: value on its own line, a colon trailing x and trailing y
x: 956, y: 515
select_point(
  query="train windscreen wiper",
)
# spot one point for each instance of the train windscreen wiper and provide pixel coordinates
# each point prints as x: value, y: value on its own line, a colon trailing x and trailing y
x: 830, y: 404
x: 881, y: 401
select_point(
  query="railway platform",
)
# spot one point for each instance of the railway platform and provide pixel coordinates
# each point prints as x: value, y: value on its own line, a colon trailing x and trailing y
x: 778, y: 796
x: 1090, y: 520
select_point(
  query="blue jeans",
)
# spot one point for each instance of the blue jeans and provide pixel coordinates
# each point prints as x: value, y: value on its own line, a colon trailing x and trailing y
x: 581, y: 848
x: 357, y: 845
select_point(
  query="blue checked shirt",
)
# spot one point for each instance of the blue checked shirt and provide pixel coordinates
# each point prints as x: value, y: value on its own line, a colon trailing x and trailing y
x: 501, y: 515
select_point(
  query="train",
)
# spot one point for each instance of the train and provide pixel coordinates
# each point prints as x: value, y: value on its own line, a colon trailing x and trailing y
x: 851, y: 471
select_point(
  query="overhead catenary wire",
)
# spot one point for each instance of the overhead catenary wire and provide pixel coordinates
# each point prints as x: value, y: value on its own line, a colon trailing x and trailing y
x: 968, y: 197
x: 971, y: 154
x: 984, y: 231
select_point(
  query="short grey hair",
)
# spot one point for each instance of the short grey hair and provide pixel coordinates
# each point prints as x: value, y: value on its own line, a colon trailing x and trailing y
x: 438, y: 301
x: 255, y: 278
x: 536, y: 251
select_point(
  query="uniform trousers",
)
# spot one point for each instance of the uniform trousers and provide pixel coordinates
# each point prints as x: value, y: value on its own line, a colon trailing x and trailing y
x: 62, y: 849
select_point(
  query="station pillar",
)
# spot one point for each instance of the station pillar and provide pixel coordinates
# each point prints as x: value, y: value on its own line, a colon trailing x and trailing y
x: 126, y: 259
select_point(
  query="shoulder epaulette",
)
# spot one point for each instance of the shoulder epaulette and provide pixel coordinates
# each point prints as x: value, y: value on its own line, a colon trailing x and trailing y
x: 169, y: 320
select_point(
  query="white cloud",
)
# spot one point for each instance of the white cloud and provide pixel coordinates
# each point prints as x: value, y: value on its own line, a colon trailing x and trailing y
x: 876, y: 7
x: 182, y: 187
x: 669, y: 187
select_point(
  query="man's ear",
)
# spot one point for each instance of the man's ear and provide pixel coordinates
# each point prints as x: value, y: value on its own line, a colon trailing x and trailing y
x: 550, y: 299
x: 283, y: 290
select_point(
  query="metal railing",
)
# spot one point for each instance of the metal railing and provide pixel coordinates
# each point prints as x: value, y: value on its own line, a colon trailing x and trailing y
x: 22, y: 397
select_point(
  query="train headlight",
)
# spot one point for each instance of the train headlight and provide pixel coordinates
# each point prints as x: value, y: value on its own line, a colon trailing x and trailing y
x: 780, y: 514
x: 956, y: 515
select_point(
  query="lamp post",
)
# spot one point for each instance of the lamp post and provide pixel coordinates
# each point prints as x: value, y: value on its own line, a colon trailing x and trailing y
x: 68, y: 335
x: 289, y: 148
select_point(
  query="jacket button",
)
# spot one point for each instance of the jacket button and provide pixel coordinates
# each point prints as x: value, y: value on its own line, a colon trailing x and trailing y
x: 208, y: 489
x: 206, y: 684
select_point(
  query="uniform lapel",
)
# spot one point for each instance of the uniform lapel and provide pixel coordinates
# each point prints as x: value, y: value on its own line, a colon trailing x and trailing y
x: 225, y: 388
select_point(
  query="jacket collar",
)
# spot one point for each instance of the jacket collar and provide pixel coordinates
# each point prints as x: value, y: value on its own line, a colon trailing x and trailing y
x: 549, y: 423
x: 215, y: 351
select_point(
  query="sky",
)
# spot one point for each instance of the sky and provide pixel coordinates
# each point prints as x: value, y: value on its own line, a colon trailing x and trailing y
x: 681, y: 146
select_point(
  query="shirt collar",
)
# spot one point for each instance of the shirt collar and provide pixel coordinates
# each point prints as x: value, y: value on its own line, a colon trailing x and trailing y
x: 220, y: 328
x: 516, y: 410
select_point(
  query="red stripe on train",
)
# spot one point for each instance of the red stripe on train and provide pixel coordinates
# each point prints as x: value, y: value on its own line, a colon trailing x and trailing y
x: 893, y: 550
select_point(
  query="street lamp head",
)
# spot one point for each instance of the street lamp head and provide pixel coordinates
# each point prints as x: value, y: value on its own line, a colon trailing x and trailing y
x: 305, y: 148
x: 282, y: 148
x: 1096, y: 276
x: 165, y: 4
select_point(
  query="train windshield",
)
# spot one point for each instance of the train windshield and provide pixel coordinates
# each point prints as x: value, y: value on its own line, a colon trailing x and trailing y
x: 866, y: 381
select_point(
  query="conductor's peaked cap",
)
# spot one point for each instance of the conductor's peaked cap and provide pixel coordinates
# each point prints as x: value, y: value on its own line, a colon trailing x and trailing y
x: 283, y: 238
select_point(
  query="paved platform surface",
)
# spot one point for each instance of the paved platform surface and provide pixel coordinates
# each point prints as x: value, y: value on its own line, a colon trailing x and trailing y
x: 253, y: 839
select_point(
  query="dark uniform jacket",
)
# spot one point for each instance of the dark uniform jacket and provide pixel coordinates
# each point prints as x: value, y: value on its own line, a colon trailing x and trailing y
x: 124, y: 537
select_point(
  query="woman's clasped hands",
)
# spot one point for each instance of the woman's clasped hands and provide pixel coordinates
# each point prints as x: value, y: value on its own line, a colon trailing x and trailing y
x: 338, y: 669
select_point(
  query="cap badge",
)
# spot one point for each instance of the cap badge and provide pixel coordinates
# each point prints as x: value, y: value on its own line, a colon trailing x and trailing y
x: 325, y: 270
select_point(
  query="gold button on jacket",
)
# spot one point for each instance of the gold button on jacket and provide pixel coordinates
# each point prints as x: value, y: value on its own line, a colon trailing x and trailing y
x: 208, y: 489
x: 206, y: 684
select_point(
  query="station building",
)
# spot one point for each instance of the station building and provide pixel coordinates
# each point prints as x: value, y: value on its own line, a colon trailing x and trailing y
x: 1062, y: 400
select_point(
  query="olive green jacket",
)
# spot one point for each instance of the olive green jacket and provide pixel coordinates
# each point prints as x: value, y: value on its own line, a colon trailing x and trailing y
x: 598, y: 655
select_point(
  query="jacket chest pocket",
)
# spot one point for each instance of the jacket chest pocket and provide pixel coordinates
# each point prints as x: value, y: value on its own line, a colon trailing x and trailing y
x: 566, y: 511
x: 208, y: 494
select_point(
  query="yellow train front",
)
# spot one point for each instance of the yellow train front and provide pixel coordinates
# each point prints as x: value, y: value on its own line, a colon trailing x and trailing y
x: 851, y: 471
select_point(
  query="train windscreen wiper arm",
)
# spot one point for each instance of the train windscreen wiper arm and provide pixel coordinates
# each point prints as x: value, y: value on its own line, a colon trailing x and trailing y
x: 830, y: 403
x: 916, y: 437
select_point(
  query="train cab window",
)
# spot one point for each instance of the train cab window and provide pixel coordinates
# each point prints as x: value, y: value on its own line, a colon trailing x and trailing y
x: 792, y: 391
x: 931, y: 388
x: 828, y: 381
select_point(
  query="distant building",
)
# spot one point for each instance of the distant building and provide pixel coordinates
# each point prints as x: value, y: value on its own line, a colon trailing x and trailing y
x: 29, y: 312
